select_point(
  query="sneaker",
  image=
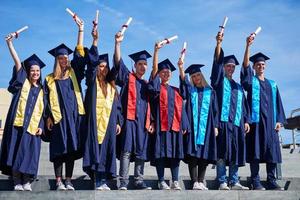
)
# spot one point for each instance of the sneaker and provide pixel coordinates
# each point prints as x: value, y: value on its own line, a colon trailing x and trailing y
x: 238, y: 186
x: 18, y: 187
x: 202, y: 186
x: 140, y: 185
x: 274, y: 186
x: 224, y: 186
x: 103, y: 187
x: 196, y: 186
x: 257, y: 186
x: 162, y: 185
x: 69, y: 186
x: 27, y: 187
x: 60, y: 186
x: 123, y: 186
x: 175, y: 185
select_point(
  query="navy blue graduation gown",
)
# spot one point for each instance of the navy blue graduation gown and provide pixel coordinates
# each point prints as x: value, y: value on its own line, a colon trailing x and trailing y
x: 166, y: 144
x: 231, y: 139
x: 134, y: 135
x: 66, y: 136
x: 263, y: 141
x: 208, y: 151
x: 20, y: 151
x: 99, y: 157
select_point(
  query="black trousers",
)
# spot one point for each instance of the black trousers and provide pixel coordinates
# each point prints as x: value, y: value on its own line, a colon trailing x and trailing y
x: 58, y: 167
x: 197, y: 175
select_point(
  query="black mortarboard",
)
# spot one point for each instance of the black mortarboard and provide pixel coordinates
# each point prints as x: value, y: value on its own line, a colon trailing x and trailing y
x: 141, y: 55
x: 61, y: 49
x: 231, y: 60
x: 258, y: 57
x: 166, y: 64
x: 33, y: 60
x: 192, y: 69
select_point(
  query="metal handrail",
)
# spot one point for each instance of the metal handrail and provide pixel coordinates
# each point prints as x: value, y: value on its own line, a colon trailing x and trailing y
x: 293, y: 131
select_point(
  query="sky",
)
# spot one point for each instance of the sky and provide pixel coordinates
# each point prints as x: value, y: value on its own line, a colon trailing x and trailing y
x: 194, y: 21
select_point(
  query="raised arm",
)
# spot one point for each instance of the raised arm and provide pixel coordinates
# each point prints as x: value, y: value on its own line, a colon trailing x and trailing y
x: 249, y: 41
x: 217, y: 73
x: 157, y: 46
x: 117, y: 55
x: 13, y: 52
x: 246, y: 71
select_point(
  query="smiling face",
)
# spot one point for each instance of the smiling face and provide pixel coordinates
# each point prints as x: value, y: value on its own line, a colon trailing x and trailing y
x: 196, y: 78
x: 63, y: 61
x: 140, y: 67
x: 34, y: 73
x: 229, y: 69
x: 259, y: 67
x: 165, y: 75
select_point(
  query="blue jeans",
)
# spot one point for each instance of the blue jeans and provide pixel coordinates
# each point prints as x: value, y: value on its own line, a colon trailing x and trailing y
x: 124, y: 168
x: 221, y: 172
x: 100, y: 178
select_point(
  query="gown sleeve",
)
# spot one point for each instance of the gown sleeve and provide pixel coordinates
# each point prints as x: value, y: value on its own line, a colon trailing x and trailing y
x: 17, y: 80
x: 217, y: 72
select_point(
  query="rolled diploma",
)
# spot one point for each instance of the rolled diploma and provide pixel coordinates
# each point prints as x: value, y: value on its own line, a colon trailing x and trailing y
x: 183, y: 51
x: 72, y: 14
x: 97, y: 17
x: 257, y: 30
x: 124, y: 27
x: 165, y: 41
x: 19, y: 31
x: 224, y: 24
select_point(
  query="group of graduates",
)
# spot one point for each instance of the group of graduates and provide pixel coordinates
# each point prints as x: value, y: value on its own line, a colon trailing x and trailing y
x: 147, y: 120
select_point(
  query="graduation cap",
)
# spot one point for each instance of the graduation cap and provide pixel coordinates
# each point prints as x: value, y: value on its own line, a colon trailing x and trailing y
x: 258, y: 57
x: 104, y: 58
x: 192, y: 69
x: 61, y: 49
x: 33, y: 60
x: 141, y: 55
x: 231, y: 60
x: 166, y: 64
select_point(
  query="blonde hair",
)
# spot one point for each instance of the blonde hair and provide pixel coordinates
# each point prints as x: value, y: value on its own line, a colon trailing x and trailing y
x: 203, y: 82
x: 57, y: 72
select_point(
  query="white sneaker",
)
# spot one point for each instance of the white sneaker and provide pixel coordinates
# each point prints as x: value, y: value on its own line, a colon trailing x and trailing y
x: 224, y: 186
x: 27, y: 187
x: 238, y: 186
x: 60, y: 186
x: 202, y: 186
x: 196, y: 186
x: 175, y: 185
x: 162, y: 185
x: 18, y: 187
x: 103, y: 187
x: 69, y: 185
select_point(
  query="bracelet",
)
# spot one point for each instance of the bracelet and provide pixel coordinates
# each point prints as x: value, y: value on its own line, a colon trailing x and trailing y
x: 80, y: 31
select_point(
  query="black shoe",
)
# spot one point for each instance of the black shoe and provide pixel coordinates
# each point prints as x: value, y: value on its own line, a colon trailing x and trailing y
x: 272, y: 185
x: 140, y: 185
x: 257, y: 186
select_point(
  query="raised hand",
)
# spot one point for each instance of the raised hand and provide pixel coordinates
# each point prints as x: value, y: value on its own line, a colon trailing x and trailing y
x: 119, y: 37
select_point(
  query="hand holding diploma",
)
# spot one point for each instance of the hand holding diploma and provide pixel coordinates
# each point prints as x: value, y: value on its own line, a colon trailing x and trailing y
x: 125, y: 26
x: 75, y: 17
x: 95, y: 22
x: 183, y: 51
x: 256, y: 32
x: 222, y: 27
x: 16, y: 34
x: 168, y: 40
